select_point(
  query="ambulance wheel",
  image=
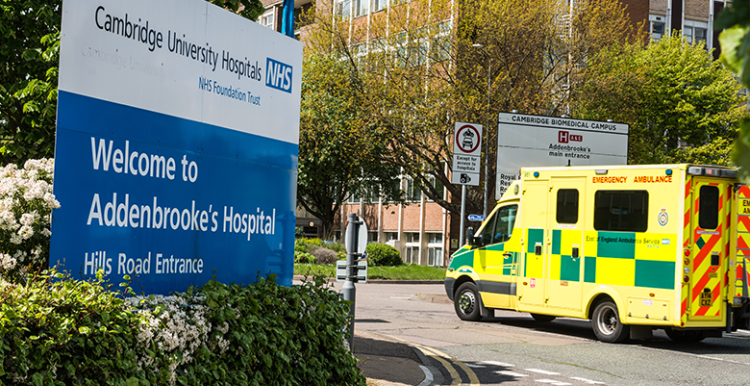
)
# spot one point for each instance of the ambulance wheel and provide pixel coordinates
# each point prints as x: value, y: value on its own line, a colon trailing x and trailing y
x: 607, y: 325
x: 466, y: 302
x: 684, y: 336
x: 543, y: 318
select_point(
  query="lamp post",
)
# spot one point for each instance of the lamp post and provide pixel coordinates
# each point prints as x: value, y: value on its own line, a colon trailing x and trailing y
x: 486, y: 135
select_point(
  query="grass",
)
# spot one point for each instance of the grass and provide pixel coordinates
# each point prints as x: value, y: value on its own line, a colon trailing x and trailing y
x: 402, y: 272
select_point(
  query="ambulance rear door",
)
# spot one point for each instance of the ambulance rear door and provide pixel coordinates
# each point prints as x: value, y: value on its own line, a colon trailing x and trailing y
x: 709, y: 222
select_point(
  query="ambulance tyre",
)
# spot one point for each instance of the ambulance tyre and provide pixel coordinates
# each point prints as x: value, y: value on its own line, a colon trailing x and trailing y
x: 466, y: 302
x: 684, y: 336
x: 543, y: 318
x: 607, y: 325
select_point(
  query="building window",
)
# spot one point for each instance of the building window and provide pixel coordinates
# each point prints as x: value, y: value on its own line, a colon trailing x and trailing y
x: 657, y: 26
x: 353, y: 197
x: 391, y: 236
x: 361, y: 7
x: 435, y: 249
x: 413, y: 193
x: 621, y: 210
x: 379, y: 5
x: 266, y: 20
x: 343, y: 8
x: 372, y: 237
x: 700, y: 35
x: 695, y: 32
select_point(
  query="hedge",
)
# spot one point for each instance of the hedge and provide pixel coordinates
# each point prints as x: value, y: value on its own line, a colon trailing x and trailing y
x: 58, y: 331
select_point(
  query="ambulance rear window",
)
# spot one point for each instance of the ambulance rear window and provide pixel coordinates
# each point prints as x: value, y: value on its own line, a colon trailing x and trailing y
x: 567, y: 206
x: 708, y: 215
x: 621, y: 210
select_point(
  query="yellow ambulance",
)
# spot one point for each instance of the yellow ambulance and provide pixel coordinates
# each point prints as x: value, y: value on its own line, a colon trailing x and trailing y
x: 632, y: 248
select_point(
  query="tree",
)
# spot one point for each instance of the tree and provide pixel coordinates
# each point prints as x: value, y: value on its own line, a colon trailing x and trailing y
x: 30, y: 46
x: 682, y: 106
x: 735, y: 53
x: 340, y: 153
x: 417, y: 73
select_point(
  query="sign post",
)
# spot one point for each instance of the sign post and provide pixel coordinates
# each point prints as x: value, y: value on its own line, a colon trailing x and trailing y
x: 176, y: 151
x: 354, y: 249
x: 467, y: 159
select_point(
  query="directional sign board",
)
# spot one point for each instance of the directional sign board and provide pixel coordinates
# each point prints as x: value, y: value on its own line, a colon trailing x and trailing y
x: 530, y: 140
x: 177, y: 145
x: 361, y: 271
x: 476, y: 217
x: 467, y: 154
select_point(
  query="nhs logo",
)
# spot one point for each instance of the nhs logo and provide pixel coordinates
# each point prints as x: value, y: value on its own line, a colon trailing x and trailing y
x: 278, y: 75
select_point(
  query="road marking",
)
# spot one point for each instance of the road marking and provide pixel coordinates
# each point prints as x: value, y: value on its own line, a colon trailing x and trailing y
x: 590, y: 382
x: 553, y: 382
x: 708, y: 357
x: 511, y: 373
x: 494, y: 363
x: 545, y: 372
x: 455, y: 378
x: 473, y: 366
x: 428, y: 378
x: 473, y: 379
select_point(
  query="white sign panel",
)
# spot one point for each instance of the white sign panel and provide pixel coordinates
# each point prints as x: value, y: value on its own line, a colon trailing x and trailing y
x: 530, y: 140
x: 467, y: 154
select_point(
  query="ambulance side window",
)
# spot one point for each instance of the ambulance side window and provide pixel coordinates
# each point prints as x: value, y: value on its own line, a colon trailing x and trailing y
x: 567, y: 206
x: 505, y: 217
x: 621, y: 210
x: 708, y: 217
x: 489, y: 229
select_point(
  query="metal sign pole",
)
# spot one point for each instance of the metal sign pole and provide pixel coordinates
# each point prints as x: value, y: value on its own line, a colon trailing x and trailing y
x: 461, y: 241
x: 348, y: 291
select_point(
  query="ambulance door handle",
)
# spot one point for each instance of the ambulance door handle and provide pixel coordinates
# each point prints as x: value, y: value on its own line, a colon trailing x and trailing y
x: 538, y: 249
x: 575, y: 253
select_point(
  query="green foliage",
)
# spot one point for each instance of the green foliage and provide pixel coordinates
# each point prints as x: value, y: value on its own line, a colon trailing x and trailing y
x: 29, y: 46
x: 249, y: 9
x: 682, y: 106
x: 303, y: 257
x: 278, y: 336
x: 735, y: 53
x: 383, y: 254
x: 58, y: 331
x: 339, y: 151
x: 406, y: 272
x: 401, y: 272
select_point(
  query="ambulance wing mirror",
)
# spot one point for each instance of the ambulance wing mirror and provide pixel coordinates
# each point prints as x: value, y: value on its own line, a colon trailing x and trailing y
x: 471, y: 240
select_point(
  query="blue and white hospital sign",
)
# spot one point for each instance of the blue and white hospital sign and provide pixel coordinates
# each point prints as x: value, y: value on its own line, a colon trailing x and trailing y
x: 177, y: 145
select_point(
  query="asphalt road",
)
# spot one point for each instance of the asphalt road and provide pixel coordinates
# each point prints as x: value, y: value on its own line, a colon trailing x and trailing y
x: 514, y: 349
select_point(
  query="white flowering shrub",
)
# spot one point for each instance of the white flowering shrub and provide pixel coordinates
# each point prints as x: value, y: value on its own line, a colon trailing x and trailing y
x: 174, y: 328
x: 26, y: 204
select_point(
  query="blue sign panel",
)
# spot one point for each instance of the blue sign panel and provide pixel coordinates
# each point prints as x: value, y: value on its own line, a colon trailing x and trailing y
x: 186, y: 169
x: 476, y: 217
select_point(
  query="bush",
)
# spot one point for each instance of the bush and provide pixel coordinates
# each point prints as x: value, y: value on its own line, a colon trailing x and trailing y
x: 26, y: 202
x: 383, y: 254
x: 325, y: 256
x: 58, y: 331
x: 304, y: 257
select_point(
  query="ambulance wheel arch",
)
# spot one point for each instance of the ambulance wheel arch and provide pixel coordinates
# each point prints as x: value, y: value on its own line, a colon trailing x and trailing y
x: 467, y: 301
x: 611, y: 304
